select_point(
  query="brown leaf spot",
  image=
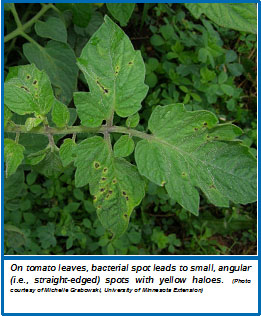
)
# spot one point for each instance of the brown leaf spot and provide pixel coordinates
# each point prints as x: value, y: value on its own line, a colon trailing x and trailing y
x: 35, y: 82
x: 23, y: 87
x: 96, y: 165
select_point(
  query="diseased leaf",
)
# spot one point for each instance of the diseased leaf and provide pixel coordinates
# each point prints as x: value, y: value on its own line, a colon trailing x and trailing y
x: 115, y: 183
x: 32, y: 122
x: 59, y: 62
x: 238, y: 16
x: 13, y: 156
x: 115, y: 74
x: 188, y: 150
x: 124, y: 146
x: 60, y: 114
x: 28, y: 92
x: 121, y: 11
x: 66, y: 151
x: 53, y: 28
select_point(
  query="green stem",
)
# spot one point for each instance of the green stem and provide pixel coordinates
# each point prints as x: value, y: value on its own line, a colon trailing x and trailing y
x: 16, y: 17
x: 20, y: 29
x: 77, y: 130
x: 30, y: 39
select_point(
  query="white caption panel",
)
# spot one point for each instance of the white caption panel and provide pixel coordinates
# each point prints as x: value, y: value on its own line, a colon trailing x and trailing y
x: 130, y: 286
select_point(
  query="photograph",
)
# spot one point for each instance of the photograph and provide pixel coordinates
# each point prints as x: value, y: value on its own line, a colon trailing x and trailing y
x: 130, y: 129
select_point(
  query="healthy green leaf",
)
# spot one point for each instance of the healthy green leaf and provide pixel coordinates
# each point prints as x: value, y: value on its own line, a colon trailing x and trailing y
x: 82, y: 12
x: 53, y: 28
x: 115, y: 183
x: 115, y: 74
x: 121, y: 11
x: 124, y: 146
x: 13, y: 156
x: 28, y: 92
x: 66, y: 151
x: 238, y: 16
x: 188, y: 150
x: 51, y: 165
x: 60, y: 114
x: 7, y: 115
x: 37, y: 157
x: 59, y: 62
x: 133, y: 120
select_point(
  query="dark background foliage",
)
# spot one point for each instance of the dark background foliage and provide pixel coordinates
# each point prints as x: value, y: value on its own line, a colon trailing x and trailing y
x: 188, y: 60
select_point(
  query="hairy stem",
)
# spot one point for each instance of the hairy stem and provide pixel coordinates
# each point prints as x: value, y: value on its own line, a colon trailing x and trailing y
x: 13, y: 128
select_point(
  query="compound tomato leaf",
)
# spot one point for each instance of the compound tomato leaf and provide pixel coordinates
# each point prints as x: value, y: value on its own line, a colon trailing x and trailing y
x: 60, y: 114
x: 28, y: 92
x: 121, y: 11
x: 124, y: 146
x: 115, y: 73
x: 189, y: 151
x: 115, y: 183
x: 13, y: 156
x: 237, y: 16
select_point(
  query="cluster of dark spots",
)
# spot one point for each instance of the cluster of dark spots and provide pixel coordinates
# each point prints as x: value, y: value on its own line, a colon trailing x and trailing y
x: 105, y: 90
x: 96, y: 165
x: 23, y: 87
x: 117, y: 70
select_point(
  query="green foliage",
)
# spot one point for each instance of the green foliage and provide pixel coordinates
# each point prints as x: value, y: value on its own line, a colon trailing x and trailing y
x: 230, y: 15
x: 184, y: 150
x: 121, y: 11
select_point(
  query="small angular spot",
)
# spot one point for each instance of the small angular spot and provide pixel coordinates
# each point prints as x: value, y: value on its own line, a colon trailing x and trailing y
x: 127, y: 198
x: 216, y: 137
x: 114, y: 181
x: 103, y: 178
x: 102, y: 189
x: 205, y: 123
x: 124, y: 193
x: 96, y: 165
x: 208, y: 136
x: 125, y: 215
x: 212, y: 186
x: 105, y: 169
x: 195, y: 129
x: 23, y: 87
x: 130, y: 63
x: 110, y: 191
x: 183, y: 174
x: 28, y: 77
x: 35, y: 82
